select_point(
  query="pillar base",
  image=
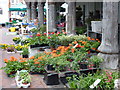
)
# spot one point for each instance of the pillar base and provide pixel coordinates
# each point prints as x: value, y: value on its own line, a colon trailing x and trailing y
x: 111, y: 61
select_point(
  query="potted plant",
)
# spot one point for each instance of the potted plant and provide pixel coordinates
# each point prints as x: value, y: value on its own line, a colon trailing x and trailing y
x: 26, y: 81
x: 11, y: 67
x: 25, y: 53
x: 10, y: 49
x: 19, y: 48
x: 16, y: 40
x: 3, y: 46
x: 23, y: 79
x: 37, y: 65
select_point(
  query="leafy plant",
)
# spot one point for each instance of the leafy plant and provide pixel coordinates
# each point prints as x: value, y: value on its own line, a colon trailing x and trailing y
x: 82, y: 82
x: 25, y: 51
x: 81, y: 29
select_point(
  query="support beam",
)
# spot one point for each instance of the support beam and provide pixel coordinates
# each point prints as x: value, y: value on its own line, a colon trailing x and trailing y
x: 33, y: 10
x: 71, y: 18
x: 51, y: 17
x: 109, y: 46
x: 40, y: 13
x: 28, y: 11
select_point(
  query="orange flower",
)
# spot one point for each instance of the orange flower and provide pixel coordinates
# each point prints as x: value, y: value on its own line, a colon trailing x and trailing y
x: 75, y: 42
x: 15, y: 59
x: 40, y: 57
x: 5, y: 60
x: 88, y: 38
x: 70, y: 44
x: 36, y: 62
x: 83, y: 42
x: 38, y: 66
x: 22, y: 60
x: 54, y: 51
x: 72, y: 50
x: 94, y: 48
x: 92, y: 39
x: 32, y: 57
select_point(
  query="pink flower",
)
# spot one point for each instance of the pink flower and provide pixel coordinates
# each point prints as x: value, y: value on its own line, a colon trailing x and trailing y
x: 31, y: 36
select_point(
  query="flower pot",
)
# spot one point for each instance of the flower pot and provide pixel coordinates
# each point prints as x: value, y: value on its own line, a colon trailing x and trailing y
x: 19, y: 51
x: 83, y: 66
x: 25, y: 56
x: 63, y: 80
x: 50, y: 67
x: 25, y: 85
x: 12, y: 74
x: 41, y: 72
x: 10, y: 52
x: 51, y: 79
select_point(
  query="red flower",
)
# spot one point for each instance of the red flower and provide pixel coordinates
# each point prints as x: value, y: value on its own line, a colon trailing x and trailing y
x: 58, y: 32
x: 49, y: 37
x: 45, y: 33
x: 38, y: 34
x: 52, y: 32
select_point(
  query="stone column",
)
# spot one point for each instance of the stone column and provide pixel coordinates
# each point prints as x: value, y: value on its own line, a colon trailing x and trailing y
x: 28, y: 11
x: 109, y: 46
x: 71, y: 18
x: 33, y: 10
x: 51, y: 17
x: 40, y: 13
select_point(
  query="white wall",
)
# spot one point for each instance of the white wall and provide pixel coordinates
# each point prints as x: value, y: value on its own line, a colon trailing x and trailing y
x: 4, y: 17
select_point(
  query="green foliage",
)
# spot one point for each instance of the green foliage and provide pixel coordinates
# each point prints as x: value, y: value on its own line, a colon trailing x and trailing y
x: 82, y: 82
x: 81, y: 30
x: 25, y: 51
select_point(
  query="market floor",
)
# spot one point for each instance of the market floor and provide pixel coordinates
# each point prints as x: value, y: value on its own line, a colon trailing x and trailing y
x: 7, y: 82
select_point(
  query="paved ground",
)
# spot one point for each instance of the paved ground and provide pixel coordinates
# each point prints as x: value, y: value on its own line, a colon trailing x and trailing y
x: 6, y: 82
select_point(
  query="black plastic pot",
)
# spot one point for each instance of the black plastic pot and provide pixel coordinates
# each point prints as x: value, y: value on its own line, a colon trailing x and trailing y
x: 63, y: 80
x: 86, y: 71
x: 51, y: 79
x: 25, y: 56
x: 83, y: 66
x: 41, y: 72
x: 50, y: 67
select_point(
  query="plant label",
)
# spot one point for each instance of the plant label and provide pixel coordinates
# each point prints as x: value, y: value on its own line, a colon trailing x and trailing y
x: 95, y: 83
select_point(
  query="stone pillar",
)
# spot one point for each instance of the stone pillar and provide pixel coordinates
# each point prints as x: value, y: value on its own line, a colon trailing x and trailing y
x: 40, y: 13
x: 28, y: 11
x: 51, y: 17
x: 109, y: 46
x: 71, y: 18
x: 33, y: 10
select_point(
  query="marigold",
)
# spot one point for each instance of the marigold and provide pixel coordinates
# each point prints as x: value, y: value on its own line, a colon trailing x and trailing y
x: 35, y: 60
x: 88, y: 38
x: 32, y: 57
x: 75, y: 42
x: 70, y: 44
x: 5, y: 60
x: 37, y: 63
x: 54, y: 51
x: 72, y: 50
x: 22, y: 60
